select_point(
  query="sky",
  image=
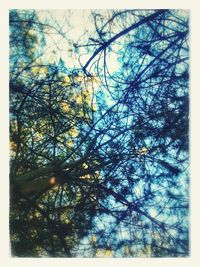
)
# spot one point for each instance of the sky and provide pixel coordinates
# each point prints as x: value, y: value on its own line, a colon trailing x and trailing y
x: 78, y: 25
x: 72, y: 22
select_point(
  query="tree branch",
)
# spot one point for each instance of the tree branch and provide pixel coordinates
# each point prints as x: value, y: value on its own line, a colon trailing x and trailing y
x: 114, y: 38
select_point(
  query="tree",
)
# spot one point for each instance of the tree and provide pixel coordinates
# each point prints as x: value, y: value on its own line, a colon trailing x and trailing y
x: 99, y: 153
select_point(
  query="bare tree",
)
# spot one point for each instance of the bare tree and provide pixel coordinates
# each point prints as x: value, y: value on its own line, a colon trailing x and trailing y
x: 99, y: 161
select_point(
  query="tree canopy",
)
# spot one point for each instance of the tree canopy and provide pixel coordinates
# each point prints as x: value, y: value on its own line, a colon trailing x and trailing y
x: 99, y: 149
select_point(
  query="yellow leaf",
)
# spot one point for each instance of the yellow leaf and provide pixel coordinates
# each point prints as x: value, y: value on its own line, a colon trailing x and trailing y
x: 14, y: 125
x: 85, y: 166
x: 13, y: 146
x: 65, y: 107
x: 79, y: 99
x: 46, y: 89
x: 38, y: 136
x: 66, y: 80
x: 104, y: 253
x: 64, y: 217
x: 73, y: 132
x: 31, y: 33
x: 41, y: 71
x: 87, y: 176
x: 94, y: 107
x: 143, y: 151
x: 93, y: 238
x: 70, y: 143
x: 78, y: 196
